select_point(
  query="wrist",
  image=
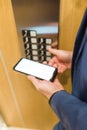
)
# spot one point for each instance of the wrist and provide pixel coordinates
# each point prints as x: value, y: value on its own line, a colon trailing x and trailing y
x: 52, y: 93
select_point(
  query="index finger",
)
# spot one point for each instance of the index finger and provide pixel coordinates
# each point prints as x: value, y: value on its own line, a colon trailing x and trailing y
x: 53, y: 51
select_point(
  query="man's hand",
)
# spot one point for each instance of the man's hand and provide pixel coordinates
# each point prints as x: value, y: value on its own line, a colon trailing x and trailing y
x: 47, y: 88
x: 61, y: 58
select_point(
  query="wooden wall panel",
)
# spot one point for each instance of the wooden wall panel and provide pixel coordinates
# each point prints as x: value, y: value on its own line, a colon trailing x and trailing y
x: 20, y: 104
x: 71, y: 12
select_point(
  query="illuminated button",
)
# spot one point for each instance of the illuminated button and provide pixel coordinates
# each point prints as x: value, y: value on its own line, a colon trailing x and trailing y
x: 48, y: 53
x: 34, y: 46
x: 33, y: 33
x: 33, y: 40
x: 48, y: 58
x: 48, y: 41
x: 35, y: 58
x: 34, y: 52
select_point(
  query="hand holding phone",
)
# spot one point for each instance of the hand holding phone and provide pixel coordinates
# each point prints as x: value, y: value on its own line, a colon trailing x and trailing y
x: 36, y: 69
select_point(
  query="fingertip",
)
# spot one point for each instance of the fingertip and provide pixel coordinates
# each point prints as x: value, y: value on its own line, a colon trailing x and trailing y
x: 55, y: 65
x: 44, y: 62
x: 30, y: 77
x: 53, y: 51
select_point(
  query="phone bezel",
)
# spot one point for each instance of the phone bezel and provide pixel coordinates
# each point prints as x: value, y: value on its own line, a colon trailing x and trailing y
x: 51, y: 79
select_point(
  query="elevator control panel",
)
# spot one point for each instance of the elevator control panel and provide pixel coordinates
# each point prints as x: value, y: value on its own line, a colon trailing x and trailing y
x: 35, y: 47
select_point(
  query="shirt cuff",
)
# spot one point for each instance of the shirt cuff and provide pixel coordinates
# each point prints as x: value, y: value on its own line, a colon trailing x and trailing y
x: 57, y: 99
x: 58, y: 93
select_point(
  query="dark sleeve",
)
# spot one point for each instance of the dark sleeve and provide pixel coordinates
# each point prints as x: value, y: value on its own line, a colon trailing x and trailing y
x: 71, y: 111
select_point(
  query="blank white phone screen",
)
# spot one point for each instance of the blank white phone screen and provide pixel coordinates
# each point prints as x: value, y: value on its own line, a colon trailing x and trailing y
x: 35, y: 69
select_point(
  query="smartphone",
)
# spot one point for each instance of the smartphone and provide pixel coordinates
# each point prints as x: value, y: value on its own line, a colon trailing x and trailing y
x: 36, y: 69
